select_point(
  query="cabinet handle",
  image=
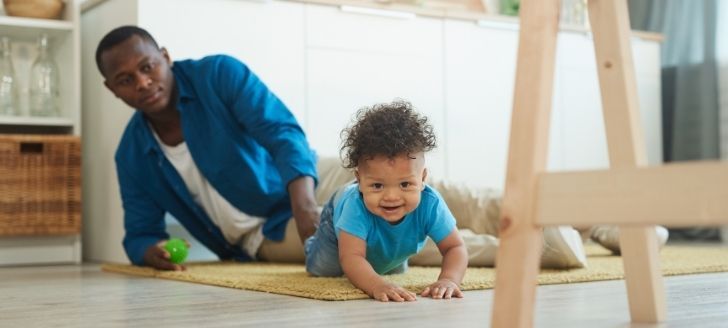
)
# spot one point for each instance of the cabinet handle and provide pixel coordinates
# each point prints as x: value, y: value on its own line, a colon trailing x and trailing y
x: 498, y: 25
x: 31, y: 147
x: 378, y: 12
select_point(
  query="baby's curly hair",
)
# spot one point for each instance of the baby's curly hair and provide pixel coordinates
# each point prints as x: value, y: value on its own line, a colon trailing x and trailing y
x: 388, y: 129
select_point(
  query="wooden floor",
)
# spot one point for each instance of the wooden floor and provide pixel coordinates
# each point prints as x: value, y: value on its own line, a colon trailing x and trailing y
x: 83, y: 296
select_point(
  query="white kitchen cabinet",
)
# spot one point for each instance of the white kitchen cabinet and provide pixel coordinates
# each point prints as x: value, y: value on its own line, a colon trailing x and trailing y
x: 268, y: 37
x: 355, y: 60
x: 583, y: 134
x: 480, y: 68
x: 648, y: 71
x: 355, y: 29
x: 480, y: 64
x: 578, y: 133
x: 64, y: 46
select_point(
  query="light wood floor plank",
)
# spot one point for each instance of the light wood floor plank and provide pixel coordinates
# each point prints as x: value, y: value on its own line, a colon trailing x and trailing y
x: 83, y: 296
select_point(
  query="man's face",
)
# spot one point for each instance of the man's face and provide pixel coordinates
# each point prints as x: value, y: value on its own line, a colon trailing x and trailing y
x: 140, y: 74
x: 391, y: 187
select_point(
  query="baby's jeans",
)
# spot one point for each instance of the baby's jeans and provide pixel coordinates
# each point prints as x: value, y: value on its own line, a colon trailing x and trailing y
x: 322, y: 249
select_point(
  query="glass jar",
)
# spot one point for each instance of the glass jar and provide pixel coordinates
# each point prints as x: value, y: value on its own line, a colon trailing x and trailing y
x: 9, y: 102
x: 44, y: 82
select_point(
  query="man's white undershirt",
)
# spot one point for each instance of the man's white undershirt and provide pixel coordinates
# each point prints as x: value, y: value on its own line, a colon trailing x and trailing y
x: 237, y: 227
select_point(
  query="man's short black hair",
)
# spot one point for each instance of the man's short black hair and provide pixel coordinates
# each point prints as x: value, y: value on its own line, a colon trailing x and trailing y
x: 119, y: 35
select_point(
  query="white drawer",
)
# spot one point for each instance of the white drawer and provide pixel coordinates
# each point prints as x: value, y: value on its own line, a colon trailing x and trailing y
x: 576, y: 50
x: 341, y: 28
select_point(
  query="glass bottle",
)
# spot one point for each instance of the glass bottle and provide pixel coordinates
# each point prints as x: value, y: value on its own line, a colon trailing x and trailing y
x: 9, y: 104
x: 44, y: 80
x: 574, y: 12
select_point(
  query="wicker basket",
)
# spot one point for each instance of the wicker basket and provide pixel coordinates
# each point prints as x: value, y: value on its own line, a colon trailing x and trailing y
x: 34, y: 8
x: 40, y: 185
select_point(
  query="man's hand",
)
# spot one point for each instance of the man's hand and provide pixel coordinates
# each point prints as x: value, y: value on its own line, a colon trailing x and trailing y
x: 303, y: 205
x: 157, y: 257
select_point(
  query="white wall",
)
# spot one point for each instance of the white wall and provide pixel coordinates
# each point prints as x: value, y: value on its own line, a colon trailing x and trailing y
x: 103, y: 121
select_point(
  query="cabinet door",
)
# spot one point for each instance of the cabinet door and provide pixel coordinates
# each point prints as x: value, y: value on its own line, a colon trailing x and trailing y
x: 579, y: 130
x: 267, y: 36
x: 648, y: 71
x: 480, y: 65
x: 357, y: 29
x: 355, y: 60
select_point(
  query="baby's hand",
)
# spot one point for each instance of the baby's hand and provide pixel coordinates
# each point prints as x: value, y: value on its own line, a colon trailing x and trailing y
x: 442, y: 288
x: 388, y: 292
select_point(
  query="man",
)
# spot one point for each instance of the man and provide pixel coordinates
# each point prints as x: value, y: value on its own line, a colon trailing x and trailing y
x: 212, y: 146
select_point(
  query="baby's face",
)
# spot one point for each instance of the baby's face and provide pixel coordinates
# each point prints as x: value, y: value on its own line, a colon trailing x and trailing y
x: 392, y: 186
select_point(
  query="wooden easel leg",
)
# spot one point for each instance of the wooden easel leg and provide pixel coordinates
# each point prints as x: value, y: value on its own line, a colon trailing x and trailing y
x: 610, y: 25
x: 645, y: 290
x: 517, y: 262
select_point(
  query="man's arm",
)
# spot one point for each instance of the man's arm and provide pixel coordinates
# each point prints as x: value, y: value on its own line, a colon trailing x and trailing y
x: 266, y: 118
x: 143, y: 224
x: 303, y: 204
x: 271, y: 124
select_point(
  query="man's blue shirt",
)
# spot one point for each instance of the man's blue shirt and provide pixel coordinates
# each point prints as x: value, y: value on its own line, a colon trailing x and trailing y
x: 244, y: 141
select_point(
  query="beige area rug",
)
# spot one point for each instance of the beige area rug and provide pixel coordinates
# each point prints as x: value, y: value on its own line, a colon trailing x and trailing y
x: 291, y: 279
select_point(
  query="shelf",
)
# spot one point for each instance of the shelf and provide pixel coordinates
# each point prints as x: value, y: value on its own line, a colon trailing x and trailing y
x: 64, y: 35
x: 24, y: 250
x: 35, y: 121
x: 29, y: 28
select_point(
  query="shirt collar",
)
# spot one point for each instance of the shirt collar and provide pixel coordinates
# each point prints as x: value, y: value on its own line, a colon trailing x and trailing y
x: 184, y: 89
x: 150, y: 144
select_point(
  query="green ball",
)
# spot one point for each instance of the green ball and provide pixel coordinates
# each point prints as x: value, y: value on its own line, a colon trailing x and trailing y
x: 177, y: 249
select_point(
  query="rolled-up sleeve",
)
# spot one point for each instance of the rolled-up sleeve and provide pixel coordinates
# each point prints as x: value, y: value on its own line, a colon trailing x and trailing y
x: 267, y: 119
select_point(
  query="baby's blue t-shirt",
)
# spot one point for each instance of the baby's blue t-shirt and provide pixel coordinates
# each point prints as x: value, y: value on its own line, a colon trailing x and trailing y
x: 390, y: 245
